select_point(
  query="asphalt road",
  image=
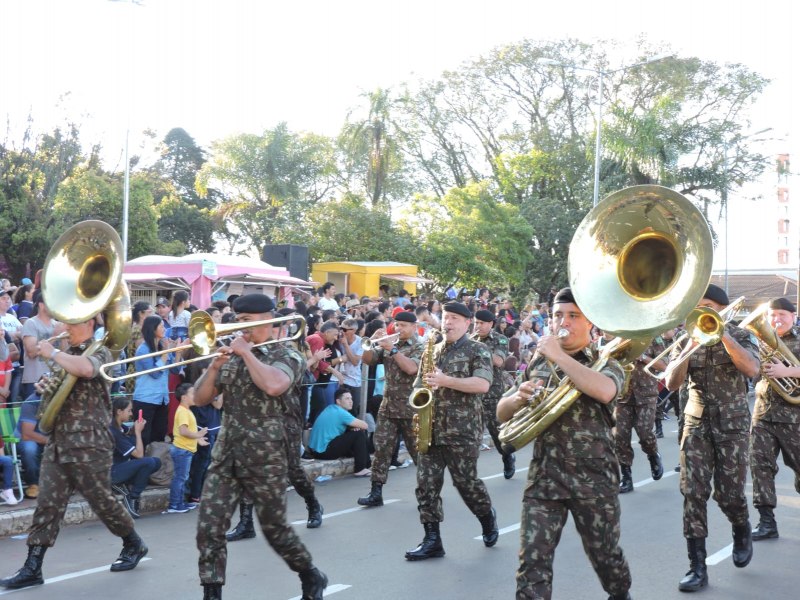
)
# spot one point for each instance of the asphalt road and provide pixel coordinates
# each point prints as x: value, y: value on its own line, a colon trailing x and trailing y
x: 361, y: 550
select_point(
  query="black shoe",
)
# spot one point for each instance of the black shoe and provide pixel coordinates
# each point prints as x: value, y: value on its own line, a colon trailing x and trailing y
x: 489, y: 528
x: 659, y: 430
x: 656, y: 466
x: 31, y: 572
x: 767, y: 528
x: 626, y: 481
x: 132, y: 506
x: 315, y: 511
x: 133, y: 550
x: 509, y: 465
x: 430, y: 546
x: 212, y: 591
x: 244, y: 529
x: 677, y: 469
x: 313, y: 583
x: 742, y: 544
x: 697, y: 576
x: 375, y: 496
x: 622, y: 596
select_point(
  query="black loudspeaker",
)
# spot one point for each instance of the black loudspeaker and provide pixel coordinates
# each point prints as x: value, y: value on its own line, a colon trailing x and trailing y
x: 291, y: 257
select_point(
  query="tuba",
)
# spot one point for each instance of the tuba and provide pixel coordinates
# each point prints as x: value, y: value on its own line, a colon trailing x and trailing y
x: 83, y: 277
x: 421, y: 400
x: 638, y: 263
x: 771, y: 348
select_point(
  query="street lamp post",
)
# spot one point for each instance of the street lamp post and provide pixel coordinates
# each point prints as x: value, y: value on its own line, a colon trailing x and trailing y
x: 600, y: 75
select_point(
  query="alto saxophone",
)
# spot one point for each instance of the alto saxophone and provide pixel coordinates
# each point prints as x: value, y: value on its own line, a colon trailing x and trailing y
x: 421, y: 400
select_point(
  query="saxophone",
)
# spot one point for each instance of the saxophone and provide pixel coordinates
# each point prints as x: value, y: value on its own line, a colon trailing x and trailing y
x: 421, y: 400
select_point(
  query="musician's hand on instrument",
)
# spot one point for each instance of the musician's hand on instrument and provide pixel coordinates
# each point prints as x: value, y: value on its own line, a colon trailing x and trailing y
x: 240, y: 346
x: 776, y: 370
x: 436, y: 379
x: 387, y: 345
x: 550, y: 348
x: 45, y: 349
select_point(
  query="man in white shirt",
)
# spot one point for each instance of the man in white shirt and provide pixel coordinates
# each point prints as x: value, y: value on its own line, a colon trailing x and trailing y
x: 350, y: 343
x: 327, y: 302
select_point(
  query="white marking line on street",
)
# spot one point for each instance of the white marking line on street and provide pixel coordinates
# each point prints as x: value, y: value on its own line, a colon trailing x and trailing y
x: 720, y: 555
x: 69, y: 576
x: 503, y: 531
x: 522, y: 470
x: 346, y: 511
x: 649, y: 480
x: 329, y: 591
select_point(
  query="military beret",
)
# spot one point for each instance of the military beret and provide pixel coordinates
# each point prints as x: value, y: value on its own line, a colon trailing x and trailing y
x: 254, y: 304
x: 406, y: 317
x: 484, y: 315
x: 716, y: 294
x: 564, y: 296
x: 286, y: 311
x: 782, y: 304
x: 457, y: 308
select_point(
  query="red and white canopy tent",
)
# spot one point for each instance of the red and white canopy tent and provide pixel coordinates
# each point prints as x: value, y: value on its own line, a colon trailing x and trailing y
x: 205, y: 274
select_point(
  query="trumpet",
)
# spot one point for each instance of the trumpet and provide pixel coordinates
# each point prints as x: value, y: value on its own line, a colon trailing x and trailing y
x: 369, y: 345
x: 204, y: 335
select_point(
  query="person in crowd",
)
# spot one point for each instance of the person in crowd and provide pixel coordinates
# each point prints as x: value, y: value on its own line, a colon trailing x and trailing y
x: 337, y: 434
x: 163, y: 310
x: 209, y: 417
x: 179, y: 316
x: 40, y: 326
x: 77, y: 457
x: 715, y: 438
x: 250, y: 454
x: 32, y: 441
x: 351, y: 352
x: 11, y: 325
x: 328, y: 377
x: 8, y: 355
x: 574, y: 469
x: 23, y: 302
x: 462, y: 374
x: 215, y: 314
x: 327, y: 293
x: 222, y: 306
x: 130, y: 469
x: 140, y: 311
x: 776, y: 423
x: 7, y: 466
x: 186, y: 437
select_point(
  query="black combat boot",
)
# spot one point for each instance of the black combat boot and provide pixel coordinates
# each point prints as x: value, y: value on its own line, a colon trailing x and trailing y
x: 244, y: 529
x: 489, y: 525
x: 621, y: 596
x: 656, y: 466
x: 659, y: 429
x: 375, y: 496
x: 742, y: 544
x: 133, y: 550
x: 509, y: 465
x: 767, y: 527
x: 626, y: 483
x: 315, y: 511
x: 431, y: 545
x: 314, y: 583
x: 30, y: 573
x: 212, y: 591
x: 697, y: 577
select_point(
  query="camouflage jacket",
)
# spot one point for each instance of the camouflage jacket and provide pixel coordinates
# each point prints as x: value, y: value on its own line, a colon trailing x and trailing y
x: 457, y: 417
x: 252, y: 421
x: 574, y: 457
x: 80, y: 432
x: 398, y: 384
x: 769, y: 405
x: 294, y: 417
x: 498, y: 346
x: 643, y: 388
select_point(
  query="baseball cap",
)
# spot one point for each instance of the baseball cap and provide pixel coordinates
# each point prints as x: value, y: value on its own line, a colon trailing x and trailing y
x: 161, y: 300
x: 352, y: 304
x: 26, y: 281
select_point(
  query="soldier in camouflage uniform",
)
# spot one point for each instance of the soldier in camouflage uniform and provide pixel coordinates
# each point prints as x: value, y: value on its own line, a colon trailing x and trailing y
x: 776, y: 423
x: 78, y: 456
x: 250, y: 454
x: 498, y: 346
x: 400, y: 361
x: 574, y: 468
x: 637, y: 410
x: 714, y: 439
x: 462, y: 374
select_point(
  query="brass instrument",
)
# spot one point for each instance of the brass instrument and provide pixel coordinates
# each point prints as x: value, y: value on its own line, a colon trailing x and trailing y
x: 421, y: 400
x: 83, y: 277
x: 204, y: 335
x: 368, y: 345
x: 772, y: 348
x: 638, y: 263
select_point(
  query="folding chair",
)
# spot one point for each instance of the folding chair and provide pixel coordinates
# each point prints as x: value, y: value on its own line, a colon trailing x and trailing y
x: 8, y: 425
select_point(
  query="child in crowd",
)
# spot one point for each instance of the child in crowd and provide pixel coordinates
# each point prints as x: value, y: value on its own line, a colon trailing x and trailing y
x: 185, y: 439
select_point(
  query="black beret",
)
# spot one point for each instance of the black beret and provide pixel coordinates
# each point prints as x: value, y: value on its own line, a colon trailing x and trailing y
x: 485, y: 315
x: 406, y: 317
x: 286, y: 311
x: 254, y: 304
x: 457, y: 308
x: 564, y: 296
x: 716, y: 294
x: 782, y: 304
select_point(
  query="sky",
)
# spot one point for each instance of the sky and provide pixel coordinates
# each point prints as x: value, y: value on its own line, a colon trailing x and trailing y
x: 221, y: 67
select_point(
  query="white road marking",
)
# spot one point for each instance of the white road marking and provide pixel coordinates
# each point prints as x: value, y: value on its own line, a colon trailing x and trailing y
x: 346, y: 511
x: 649, y: 480
x: 720, y: 555
x: 503, y: 531
x: 69, y: 576
x: 329, y: 591
x: 522, y: 470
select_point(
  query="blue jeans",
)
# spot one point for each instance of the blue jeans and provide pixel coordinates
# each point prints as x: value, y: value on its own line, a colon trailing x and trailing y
x: 8, y: 472
x: 181, y: 460
x: 135, y: 472
x: 30, y: 454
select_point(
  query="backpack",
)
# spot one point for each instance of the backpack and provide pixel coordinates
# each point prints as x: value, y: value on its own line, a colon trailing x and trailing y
x: 163, y: 476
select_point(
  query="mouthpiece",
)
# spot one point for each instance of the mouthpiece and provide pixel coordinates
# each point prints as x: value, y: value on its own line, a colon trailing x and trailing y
x: 562, y: 333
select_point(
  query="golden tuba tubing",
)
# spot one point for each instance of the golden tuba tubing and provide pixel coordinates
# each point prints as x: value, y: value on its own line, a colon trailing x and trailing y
x: 772, y: 348
x: 421, y: 400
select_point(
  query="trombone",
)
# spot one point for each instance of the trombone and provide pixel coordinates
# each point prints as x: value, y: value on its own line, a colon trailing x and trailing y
x: 705, y: 326
x: 368, y: 345
x: 205, y: 335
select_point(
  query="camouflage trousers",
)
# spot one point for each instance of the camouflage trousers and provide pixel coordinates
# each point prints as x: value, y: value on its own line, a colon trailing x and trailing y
x: 767, y: 439
x: 385, y: 440
x: 58, y: 481
x: 462, y: 462
x: 263, y: 482
x: 638, y: 415
x: 490, y: 421
x: 295, y: 472
x: 709, y: 453
x: 597, y: 522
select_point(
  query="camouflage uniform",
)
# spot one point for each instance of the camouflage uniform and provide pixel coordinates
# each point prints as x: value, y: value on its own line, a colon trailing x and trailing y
x: 249, y: 458
x: 714, y: 440
x: 294, y: 421
x: 78, y: 457
x: 776, y: 428
x: 498, y: 346
x: 456, y: 433
x: 574, y: 469
x: 395, y: 414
